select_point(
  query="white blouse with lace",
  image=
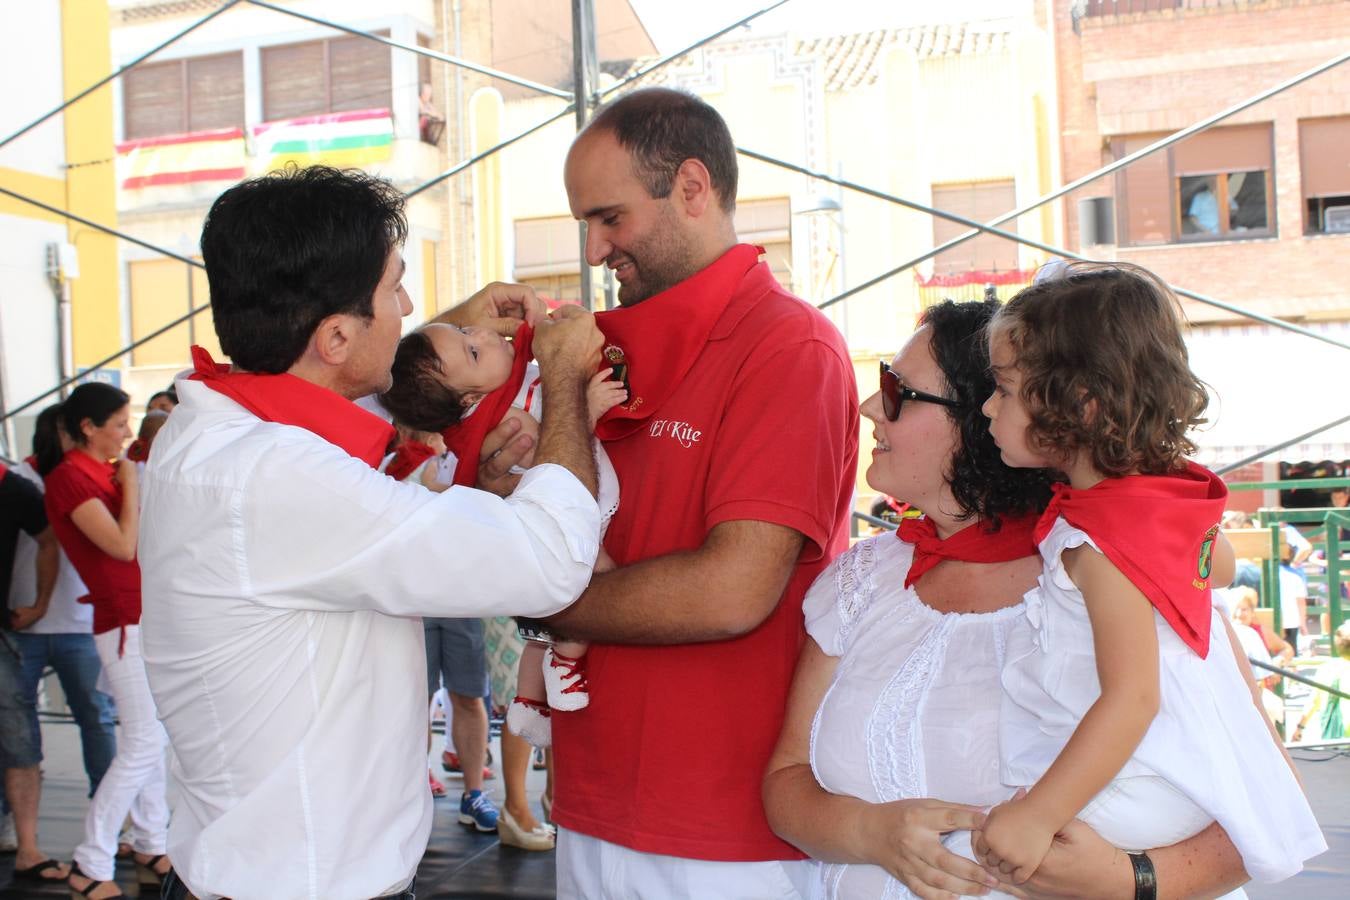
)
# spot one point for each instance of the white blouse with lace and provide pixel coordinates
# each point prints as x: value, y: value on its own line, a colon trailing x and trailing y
x: 913, y: 708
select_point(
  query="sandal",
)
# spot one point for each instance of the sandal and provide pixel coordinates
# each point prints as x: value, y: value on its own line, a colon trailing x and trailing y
x: 34, y: 873
x: 148, y: 874
x: 88, y: 890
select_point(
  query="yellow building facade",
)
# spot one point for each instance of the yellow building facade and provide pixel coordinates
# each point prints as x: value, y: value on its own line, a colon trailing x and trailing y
x: 55, y: 51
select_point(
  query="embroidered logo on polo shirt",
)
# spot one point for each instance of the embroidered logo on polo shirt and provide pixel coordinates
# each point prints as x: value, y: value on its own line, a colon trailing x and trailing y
x: 685, y: 434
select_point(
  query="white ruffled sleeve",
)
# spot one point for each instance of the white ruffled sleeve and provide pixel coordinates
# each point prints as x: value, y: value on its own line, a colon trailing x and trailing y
x: 839, y: 596
x: 1062, y: 536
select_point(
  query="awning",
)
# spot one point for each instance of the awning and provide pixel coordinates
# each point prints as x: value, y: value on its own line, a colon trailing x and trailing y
x: 1268, y: 385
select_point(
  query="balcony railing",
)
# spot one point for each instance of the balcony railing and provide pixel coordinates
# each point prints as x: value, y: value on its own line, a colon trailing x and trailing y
x: 1126, y: 7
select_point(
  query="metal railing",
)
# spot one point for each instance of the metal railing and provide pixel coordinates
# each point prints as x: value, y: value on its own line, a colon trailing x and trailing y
x: 591, y: 98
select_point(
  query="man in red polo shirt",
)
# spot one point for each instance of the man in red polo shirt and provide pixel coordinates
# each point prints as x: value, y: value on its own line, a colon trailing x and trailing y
x: 735, y: 453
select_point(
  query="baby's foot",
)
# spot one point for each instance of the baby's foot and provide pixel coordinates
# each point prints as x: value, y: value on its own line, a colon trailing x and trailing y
x: 565, y: 681
x: 530, y: 720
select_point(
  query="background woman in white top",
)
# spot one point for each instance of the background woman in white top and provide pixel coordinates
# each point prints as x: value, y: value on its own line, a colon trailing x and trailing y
x: 897, y: 692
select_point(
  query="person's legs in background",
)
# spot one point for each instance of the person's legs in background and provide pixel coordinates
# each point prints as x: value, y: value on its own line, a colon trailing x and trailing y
x: 518, y: 826
x: 463, y: 667
x: 75, y: 660
x: 432, y: 631
x: 20, y: 756
x: 135, y: 782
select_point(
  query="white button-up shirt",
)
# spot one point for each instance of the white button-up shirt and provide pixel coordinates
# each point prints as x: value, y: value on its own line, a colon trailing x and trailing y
x: 283, y: 581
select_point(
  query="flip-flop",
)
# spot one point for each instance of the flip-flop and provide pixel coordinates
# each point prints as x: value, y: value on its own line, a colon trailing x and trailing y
x: 34, y: 873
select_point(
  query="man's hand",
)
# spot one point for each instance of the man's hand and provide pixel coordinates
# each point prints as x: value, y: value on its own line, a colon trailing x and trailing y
x: 503, y: 447
x: 568, y: 343
x: 499, y: 306
x: 567, y: 348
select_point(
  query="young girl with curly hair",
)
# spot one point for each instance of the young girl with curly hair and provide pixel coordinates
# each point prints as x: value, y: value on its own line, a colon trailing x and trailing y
x: 1124, y: 702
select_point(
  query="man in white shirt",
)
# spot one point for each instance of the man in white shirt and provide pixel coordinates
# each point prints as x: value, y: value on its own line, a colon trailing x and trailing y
x: 284, y: 578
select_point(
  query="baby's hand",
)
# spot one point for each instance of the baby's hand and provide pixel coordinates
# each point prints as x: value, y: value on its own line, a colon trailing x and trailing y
x: 603, y: 394
x: 604, y: 562
x: 1013, y: 841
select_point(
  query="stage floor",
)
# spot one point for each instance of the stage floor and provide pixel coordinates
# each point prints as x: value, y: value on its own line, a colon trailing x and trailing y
x: 461, y: 863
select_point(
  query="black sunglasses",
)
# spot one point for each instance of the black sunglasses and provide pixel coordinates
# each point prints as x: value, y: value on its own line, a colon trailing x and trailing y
x: 894, y: 393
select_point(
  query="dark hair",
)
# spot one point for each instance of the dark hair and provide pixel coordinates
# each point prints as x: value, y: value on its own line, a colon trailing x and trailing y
x: 285, y: 251
x: 1105, y: 368
x: 170, y: 393
x: 419, y: 398
x: 983, y: 485
x: 661, y: 128
x: 47, y: 450
x: 94, y: 401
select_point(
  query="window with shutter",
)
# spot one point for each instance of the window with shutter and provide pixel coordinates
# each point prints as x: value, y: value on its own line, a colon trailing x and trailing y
x: 1325, y: 170
x: 184, y: 95
x: 215, y: 92
x: 979, y: 201
x: 318, y: 77
x: 152, y: 100
x: 295, y: 80
x: 1215, y: 185
x: 360, y: 76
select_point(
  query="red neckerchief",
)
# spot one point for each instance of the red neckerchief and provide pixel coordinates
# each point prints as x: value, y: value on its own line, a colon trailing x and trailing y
x: 973, y: 543
x: 138, y: 451
x: 289, y: 400
x: 465, y: 439
x: 663, y: 335
x: 103, y: 474
x: 407, y: 457
x: 1159, y: 531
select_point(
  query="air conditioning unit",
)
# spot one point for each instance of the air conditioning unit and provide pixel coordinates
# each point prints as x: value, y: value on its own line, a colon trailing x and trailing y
x: 1336, y: 220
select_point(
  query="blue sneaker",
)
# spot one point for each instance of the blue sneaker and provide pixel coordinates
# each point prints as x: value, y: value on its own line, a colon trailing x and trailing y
x: 476, y: 809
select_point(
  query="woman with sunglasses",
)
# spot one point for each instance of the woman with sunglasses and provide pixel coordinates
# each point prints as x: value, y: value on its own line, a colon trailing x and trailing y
x: 897, y: 689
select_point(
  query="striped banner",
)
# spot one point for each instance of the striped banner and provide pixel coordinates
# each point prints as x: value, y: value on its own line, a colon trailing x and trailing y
x: 347, y: 139
x: 216, y: 155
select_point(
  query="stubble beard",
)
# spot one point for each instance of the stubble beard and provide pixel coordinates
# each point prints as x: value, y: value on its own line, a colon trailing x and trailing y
x: 661, y: 260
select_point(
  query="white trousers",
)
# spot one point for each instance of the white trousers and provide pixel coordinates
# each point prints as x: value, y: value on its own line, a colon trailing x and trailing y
x: 135, y: 781
x: 592, y: 869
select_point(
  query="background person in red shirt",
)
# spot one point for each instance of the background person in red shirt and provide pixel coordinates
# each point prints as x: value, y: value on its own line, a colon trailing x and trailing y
x: 93, y: 505
x: 736, y: 450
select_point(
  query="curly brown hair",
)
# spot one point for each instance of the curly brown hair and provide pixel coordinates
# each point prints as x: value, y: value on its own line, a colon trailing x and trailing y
x: 1104, y: 368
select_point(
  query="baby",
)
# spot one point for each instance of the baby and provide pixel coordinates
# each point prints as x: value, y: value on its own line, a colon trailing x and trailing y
x: 441, y: 374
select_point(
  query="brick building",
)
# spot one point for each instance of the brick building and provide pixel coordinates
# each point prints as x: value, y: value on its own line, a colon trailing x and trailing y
x: 1254, y: 211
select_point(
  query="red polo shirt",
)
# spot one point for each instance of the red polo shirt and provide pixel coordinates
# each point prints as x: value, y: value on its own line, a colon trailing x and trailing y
x: 114, y: 585
x: 669, y: 755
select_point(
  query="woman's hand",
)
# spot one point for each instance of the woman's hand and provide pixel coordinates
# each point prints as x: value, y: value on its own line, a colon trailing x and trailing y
x: 126, y: 474
x: 904, y: 838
